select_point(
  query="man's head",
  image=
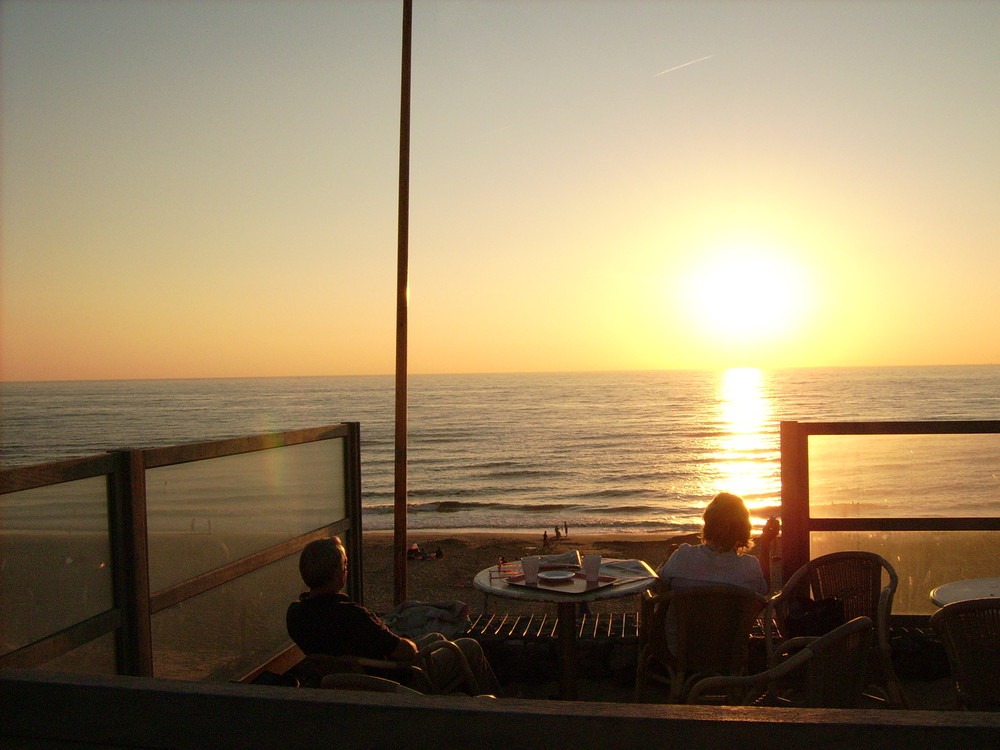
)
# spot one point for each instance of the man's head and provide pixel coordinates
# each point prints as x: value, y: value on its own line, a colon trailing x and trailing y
x: 323, y: 564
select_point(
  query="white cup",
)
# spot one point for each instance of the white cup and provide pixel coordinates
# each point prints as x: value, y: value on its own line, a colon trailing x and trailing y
x: 592, y: 566
x: 530, y: 567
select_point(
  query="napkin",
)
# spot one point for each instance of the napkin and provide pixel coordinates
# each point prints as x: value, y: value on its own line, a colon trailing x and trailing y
x: 629, y: 568
x: 569, y: 559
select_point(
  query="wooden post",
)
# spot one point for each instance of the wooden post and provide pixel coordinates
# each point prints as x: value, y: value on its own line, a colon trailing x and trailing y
x: 567, y: 650
x: 352, y: 480
x: 794, y: 498
x: 130, y: 564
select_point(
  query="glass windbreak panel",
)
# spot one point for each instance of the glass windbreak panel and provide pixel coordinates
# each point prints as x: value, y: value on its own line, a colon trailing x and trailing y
x: 96, y: 657
x: 886, y: 476
x: 923, y: 560
x: 205, y: 514
x: 55, y: 569
x: 224, y: 633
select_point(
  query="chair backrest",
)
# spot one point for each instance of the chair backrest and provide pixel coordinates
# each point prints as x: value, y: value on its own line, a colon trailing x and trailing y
x: 970, y: 631
x: 854, y: 577
x: 713, y: 627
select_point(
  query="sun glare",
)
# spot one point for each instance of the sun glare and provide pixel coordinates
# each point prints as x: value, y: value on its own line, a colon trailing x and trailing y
x: 745, y: 294
x: 745, y: 409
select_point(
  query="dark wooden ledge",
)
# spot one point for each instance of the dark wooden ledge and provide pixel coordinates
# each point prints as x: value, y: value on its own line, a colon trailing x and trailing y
x: 45, y: 710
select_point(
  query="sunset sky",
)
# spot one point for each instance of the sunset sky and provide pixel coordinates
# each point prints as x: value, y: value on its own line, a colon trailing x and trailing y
x: 207, y: 188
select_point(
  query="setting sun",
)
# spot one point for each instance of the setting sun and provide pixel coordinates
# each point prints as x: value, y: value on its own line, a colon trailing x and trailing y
x: 744, y: 294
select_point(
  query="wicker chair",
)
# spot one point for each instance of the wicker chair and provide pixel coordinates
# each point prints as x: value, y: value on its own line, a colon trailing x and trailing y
x: 364, y: 682
x: 865, y: 583
x: 828, y: 671
x: 970, y: 631
x: 713, y: 635
x: 420, y: 674
x: 315, y: 667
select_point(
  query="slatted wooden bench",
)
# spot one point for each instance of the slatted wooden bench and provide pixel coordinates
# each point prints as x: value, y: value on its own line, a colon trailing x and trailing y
x: 604, y: 626
x: 524, y: 647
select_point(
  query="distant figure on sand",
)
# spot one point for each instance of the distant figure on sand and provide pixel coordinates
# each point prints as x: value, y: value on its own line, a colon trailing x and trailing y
x: 545, y: 538
x: 416, y: 552
x: 325, y: 621
x: 557, y: 532
x: 565, y: 529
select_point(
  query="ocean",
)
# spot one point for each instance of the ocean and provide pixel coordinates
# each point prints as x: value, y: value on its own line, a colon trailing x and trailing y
x: 620, y: 452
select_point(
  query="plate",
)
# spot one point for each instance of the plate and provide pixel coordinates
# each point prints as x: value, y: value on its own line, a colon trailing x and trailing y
x: 556, y: 575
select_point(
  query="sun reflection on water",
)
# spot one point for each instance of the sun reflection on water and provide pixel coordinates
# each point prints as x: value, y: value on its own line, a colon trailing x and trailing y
x: 745, y: 411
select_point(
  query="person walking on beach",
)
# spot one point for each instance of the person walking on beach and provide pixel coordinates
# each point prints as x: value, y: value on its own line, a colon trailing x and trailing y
x: 545, y: 539
x: 325, y: 621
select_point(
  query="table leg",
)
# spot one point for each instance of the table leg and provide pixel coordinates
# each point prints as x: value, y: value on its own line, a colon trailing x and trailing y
x: 567, y: 650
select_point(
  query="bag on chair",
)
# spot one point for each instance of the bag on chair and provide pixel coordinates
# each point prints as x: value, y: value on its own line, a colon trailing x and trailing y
x: 809, y: 617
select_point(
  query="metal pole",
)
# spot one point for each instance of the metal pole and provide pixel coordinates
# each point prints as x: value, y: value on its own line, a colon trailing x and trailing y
x: 402, y: 293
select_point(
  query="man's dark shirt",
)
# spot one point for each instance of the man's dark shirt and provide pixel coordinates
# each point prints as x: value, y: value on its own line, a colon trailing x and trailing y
x: 333, y: 624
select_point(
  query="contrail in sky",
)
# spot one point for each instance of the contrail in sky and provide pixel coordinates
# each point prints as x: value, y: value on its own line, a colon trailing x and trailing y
x: 683, y: 65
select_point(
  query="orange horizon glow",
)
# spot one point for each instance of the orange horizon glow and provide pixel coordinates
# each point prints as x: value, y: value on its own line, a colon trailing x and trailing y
x: 208, y: 190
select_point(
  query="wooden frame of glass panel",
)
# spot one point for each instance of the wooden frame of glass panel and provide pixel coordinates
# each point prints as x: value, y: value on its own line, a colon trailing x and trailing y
x: 134, y: 603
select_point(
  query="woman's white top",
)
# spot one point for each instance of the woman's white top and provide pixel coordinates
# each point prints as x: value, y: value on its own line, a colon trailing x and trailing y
x: 701, y: 565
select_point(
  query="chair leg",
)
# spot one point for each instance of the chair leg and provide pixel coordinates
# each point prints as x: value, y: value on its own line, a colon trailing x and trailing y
x: 892, y: 687
x: 676, y: 687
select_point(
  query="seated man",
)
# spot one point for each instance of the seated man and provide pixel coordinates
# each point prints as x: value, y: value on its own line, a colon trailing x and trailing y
x: 325, y: 621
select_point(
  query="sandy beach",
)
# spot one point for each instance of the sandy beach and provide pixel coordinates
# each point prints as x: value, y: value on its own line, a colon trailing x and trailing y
x: 466, y: 553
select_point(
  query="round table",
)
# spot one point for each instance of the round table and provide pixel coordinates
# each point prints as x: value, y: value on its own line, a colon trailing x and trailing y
x: 960, y: 591
x: 489, y: 582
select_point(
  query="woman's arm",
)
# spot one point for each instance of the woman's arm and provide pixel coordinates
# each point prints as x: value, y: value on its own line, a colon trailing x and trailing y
x: 767, y: 536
